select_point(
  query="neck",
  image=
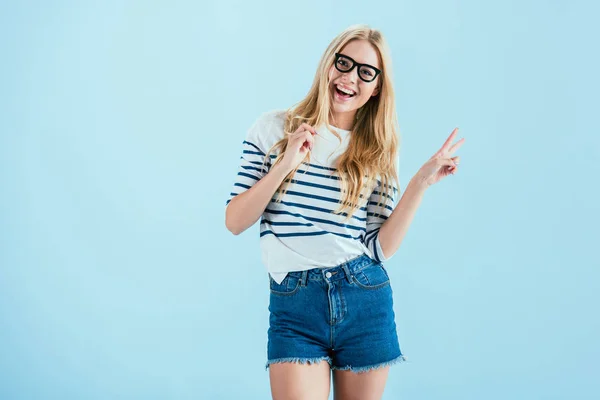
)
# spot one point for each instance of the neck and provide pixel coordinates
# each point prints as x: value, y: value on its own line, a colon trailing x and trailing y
x: 343, y: 120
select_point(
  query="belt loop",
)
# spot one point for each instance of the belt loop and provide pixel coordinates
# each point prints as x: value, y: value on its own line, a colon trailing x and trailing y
x: 347, y: 272
x: 304, y: 277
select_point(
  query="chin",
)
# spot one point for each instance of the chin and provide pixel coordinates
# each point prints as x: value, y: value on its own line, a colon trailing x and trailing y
x: 344, y: 108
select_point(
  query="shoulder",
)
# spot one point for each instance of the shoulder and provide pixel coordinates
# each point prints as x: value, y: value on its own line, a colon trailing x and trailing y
x: 273, y: 119
x: 267, y: 129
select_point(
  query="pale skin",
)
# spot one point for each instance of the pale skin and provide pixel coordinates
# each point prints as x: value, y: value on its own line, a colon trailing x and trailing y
x: 312, y: 381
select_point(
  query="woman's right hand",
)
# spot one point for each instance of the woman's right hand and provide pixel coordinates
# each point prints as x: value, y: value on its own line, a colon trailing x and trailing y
x: 299, y: 143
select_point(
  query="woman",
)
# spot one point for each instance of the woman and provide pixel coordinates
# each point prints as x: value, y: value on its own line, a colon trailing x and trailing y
x: 323, y: 178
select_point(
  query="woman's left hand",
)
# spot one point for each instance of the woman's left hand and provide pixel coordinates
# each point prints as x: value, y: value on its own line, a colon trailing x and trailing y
x: 441, y: 164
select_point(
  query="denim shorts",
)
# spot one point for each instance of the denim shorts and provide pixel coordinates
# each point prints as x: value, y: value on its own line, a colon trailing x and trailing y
x: 342, y: 314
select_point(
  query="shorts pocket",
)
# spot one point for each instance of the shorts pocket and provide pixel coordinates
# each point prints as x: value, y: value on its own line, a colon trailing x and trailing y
x: 372, y: 277
x: 287, y: 287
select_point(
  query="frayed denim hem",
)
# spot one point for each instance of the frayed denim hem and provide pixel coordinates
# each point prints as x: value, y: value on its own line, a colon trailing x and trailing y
x: 371, y: 367
x: 300, y: 360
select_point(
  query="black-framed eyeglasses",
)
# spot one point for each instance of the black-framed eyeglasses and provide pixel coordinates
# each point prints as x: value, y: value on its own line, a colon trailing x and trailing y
x: 366, y: 72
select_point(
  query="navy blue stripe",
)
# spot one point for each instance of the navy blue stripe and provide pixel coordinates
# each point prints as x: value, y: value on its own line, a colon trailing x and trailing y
x: 262, y: 170
x: 371, y: 235
x: 375, y: 215
x: 300, y: 205
x: 386, y: 195
x: 319, y: 220
x: 376, y: 253
x: 302, y: 171
x: 374, y: 230
x: 314, y: 196
x: 324, y: 221
x: 268, y: 163
x: 249, y: 176
x: 370, y: 244
x: 295, y: 234
x: 292, y: 234
x: 370, y: 240
x: 255, y: 146
x: 258, y: 153
x: 319, y: 166
x: 390, y: 186
x: 285, y: 223
x: 374, y: 203
x: 334, y: 189
x: 328, y: 211
x: 241, y: 185
x: 331, y: 177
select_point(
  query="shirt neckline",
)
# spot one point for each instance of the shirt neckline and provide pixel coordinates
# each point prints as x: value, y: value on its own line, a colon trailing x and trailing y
x: 342, y: 132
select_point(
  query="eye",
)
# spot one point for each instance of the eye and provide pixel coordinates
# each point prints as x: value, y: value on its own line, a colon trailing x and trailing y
x: 367, y: 73
x: 343, y: 62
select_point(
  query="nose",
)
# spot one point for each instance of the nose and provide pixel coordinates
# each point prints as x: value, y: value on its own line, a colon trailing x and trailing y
x: 352, y: 75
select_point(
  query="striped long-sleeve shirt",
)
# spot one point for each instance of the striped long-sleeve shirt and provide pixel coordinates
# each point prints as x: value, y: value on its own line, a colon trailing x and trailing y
x: 301, y: 232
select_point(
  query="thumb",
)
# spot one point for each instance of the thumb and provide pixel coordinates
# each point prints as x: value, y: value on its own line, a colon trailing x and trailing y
x: 445, y: 162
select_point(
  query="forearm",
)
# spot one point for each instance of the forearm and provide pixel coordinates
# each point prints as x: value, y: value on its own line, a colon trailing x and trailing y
x: 394, y: 229
x: 246, y: 208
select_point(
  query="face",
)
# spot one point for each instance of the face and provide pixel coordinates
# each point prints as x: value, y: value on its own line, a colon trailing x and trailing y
x: 344, y: 107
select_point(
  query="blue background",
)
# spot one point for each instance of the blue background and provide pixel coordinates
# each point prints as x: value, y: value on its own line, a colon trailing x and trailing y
x: 120, y: 134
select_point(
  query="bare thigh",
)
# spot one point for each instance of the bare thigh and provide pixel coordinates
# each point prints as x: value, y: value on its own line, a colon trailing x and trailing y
x: 295, y: 381
x: 348, y: 385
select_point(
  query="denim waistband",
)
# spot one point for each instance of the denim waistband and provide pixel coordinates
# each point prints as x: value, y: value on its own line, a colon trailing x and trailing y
x: 342, y: 271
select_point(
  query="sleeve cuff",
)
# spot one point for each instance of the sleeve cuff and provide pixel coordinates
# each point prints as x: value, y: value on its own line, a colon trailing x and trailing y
x: 379, y: 252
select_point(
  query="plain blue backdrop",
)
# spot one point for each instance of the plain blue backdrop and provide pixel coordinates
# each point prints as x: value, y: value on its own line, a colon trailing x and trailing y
x: 120, y: 134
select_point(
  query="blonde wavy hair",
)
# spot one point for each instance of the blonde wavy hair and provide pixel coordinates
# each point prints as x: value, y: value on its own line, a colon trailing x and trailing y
x: 374, y: 138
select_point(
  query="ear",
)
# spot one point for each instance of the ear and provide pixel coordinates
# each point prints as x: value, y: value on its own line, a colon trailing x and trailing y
x: 376, y: 91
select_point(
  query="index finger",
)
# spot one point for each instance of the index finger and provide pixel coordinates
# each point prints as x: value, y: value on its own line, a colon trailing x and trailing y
x: 306, y: 127
x: 447, y: 143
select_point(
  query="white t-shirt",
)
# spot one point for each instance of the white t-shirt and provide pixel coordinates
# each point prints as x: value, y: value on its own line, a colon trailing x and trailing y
x: 301, y: 232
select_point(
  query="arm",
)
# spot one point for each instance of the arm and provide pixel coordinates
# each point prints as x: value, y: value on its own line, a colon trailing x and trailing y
x: 246, y: 208
x: 440, y: 165
x: 394, y: 228
x: 257, y: 181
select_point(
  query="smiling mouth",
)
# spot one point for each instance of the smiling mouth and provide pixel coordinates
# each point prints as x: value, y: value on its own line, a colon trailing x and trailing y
x: 343, y: 95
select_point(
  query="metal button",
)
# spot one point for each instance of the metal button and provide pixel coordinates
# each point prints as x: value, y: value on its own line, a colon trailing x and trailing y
x: 328, y: 274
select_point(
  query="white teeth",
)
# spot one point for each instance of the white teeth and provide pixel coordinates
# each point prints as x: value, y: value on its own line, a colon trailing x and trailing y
x: 347, y: 91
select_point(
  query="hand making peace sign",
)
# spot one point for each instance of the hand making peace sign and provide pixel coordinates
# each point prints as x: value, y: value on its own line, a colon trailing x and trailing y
x: 441, y: 164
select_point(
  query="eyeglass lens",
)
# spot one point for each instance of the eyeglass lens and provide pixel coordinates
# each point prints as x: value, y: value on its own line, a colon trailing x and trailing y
x: 366, y: 73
